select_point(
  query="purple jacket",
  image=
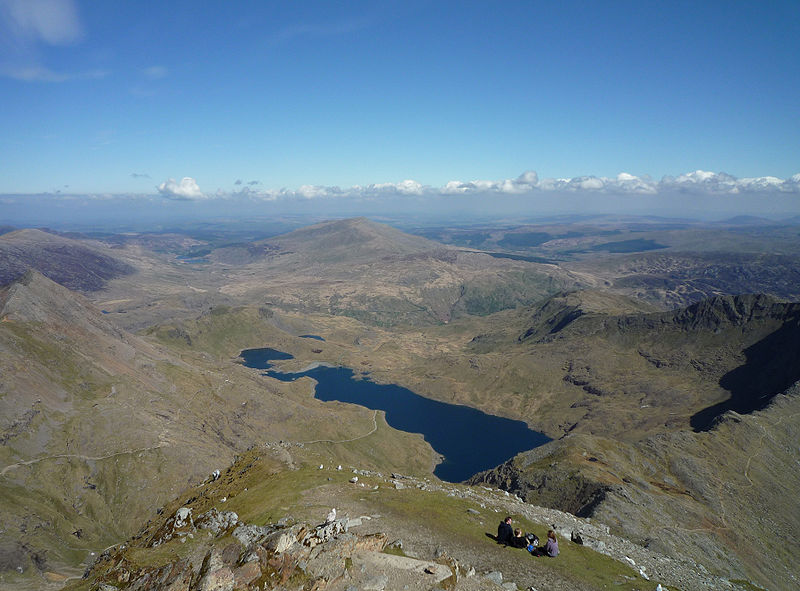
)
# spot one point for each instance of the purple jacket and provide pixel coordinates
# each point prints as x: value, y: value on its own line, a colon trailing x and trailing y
x: 551, y: 548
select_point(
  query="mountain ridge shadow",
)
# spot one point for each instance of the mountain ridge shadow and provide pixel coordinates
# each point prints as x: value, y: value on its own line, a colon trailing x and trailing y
x: 772, y: 365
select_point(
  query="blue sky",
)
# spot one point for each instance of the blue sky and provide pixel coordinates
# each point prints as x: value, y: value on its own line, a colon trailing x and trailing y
x: 310, y: 98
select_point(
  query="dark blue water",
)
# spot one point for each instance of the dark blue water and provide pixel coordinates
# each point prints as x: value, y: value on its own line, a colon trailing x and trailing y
x: 469, y: 440
x: 260, y: 358
x: 311, y: 336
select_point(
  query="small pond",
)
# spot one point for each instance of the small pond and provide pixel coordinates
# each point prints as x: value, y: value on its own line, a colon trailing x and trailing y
x: 311, y: 336
x: 469, y: 440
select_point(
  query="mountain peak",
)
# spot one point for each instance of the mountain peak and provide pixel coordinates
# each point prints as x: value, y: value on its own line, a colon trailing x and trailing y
x: 352, y: 239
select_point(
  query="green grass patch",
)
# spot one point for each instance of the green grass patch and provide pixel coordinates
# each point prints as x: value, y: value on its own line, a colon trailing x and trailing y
x: 394, y: 551
x: 448, y: 516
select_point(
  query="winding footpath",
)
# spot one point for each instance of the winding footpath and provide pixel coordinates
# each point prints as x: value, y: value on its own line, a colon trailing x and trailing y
x: 374, y: 428
x: 78, y: 456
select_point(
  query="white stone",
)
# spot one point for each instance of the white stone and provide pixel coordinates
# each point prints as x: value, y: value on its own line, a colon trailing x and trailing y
x: 183, y: 515
x: 495, y: 576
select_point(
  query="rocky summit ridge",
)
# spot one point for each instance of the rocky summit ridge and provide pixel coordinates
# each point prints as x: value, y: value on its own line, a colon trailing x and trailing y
x: 590, y: 312
x: 193, y: 547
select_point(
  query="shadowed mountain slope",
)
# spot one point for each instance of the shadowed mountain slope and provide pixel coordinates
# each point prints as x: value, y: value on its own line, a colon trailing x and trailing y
x: 760, y: 332
x: 577, y: 313
x: 71, y: 263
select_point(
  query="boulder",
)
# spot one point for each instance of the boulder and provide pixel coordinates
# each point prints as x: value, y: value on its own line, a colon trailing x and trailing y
x: 217, y: 521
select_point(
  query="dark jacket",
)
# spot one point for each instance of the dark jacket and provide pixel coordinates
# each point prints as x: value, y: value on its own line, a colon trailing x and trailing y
x: 504, y: 533
x: 519, y: 542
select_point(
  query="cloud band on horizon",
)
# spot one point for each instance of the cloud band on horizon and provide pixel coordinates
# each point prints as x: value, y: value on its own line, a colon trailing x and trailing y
x: 698, y: 182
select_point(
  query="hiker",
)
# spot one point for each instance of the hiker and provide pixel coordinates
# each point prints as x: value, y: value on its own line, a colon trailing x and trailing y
x: 504, y: 532
x: 519, y: 540
x: 551, y: 547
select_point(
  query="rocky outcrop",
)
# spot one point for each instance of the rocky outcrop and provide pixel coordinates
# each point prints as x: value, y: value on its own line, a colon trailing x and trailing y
x: 566, y: 490
x: 247, y: 556
x: 571, y: 313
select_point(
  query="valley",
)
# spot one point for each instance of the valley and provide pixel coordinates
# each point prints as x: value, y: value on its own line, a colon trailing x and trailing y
x: 661, y: 357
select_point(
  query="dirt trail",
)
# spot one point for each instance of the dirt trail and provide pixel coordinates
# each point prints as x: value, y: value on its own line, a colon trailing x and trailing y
x: 78, y: 456
x: 374, y: 428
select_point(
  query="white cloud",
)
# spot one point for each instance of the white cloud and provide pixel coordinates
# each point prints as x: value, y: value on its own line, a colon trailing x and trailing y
x: 455, y: 188
x: 155, y: 72
x: 407, y: 187
x: 312, y: 191
x: 54, y: 22
x: 528, y: 183
x: 524, y: 183
x: 634, y: 184
x: 27, y: 25
x: 704, y: 182
x: 587, y: 182
x: 186, y: 189
x: 332, y: 29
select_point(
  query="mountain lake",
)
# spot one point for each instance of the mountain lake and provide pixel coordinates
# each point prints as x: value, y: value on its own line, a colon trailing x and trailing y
x: 469, y: 440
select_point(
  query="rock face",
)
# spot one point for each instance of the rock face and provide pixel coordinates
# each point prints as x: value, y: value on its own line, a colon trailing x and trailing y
x: 247, y: 556
x: 581, y: 313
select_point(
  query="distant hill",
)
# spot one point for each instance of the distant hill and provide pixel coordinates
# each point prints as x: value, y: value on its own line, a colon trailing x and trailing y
x: 353, y: 240
x: 379, y: 274
x: 677, y: 279
x: 747, y: 220
x: 69, y: 262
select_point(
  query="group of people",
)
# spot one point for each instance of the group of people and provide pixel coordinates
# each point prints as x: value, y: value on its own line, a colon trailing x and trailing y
x: 516, y: 538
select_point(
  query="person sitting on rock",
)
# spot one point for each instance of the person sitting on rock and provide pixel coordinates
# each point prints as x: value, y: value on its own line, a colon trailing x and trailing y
x: 504, y: 532
x: 519, y: 540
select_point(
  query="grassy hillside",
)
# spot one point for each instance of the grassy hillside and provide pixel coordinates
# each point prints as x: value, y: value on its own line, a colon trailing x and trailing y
x: 724, y: 498
x: 100, y: 426
x: 422, y: 520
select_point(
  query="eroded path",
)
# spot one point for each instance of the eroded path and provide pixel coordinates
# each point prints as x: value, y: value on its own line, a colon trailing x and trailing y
x: 79, y: 456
